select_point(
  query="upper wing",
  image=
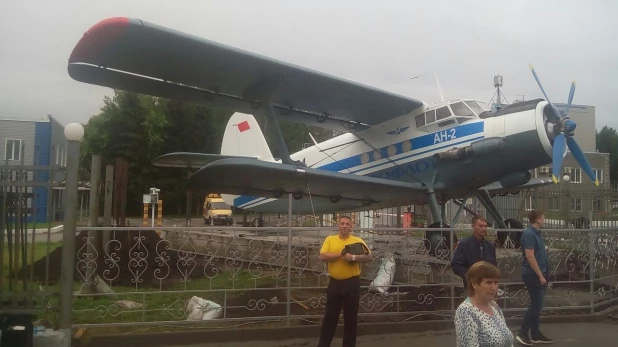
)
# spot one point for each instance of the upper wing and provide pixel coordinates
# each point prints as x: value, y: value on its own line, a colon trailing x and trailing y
x: 134, y: 55
x: 241, y: 176
x: 190, y: 160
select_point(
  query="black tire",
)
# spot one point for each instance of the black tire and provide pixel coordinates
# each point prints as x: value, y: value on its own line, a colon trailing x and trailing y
x: 435, y: 240
x: 514, y: 236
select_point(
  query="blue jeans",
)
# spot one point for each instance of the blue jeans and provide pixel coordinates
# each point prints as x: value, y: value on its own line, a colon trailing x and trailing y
x: 537, y: 294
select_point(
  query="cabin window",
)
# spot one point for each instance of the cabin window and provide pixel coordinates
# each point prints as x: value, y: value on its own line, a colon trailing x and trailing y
x: 443, y: 112
x: 431, y: 116
x: 461, y: 110
x: 475, y: 107
x: 420, y: 120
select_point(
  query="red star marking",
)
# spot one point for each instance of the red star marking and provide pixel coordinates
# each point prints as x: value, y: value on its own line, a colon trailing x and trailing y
x: 243, y: 126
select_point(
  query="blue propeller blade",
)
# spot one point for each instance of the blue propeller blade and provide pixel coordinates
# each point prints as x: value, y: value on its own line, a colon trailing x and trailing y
x: 571, y: 93
x: 581, y: 159
x: 559, y: 148
x: 538, y: 81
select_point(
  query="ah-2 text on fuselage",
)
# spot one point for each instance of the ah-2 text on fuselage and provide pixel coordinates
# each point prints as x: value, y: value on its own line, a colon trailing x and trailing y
x: 396, y: 150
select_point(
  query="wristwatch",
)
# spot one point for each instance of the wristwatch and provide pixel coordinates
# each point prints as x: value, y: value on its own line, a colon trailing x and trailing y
x: 353, y: 257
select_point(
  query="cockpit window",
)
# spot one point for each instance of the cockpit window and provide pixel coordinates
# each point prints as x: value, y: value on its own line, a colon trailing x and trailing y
x: 475, y: 107
x: 442, y: 113
x: 459, y: 109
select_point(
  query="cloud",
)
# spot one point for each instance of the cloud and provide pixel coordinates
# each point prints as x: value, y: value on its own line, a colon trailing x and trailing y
x: 378, y: 44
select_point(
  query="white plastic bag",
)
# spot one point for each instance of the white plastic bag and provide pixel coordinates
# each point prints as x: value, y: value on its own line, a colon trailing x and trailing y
x: 200, y: 309
x: 385, y: 277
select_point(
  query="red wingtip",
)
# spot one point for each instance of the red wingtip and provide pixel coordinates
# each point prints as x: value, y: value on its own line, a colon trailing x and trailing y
x: 97, y: 37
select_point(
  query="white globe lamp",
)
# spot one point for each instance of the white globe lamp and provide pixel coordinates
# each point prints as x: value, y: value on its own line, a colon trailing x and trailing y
x: 74, y: 132
x: 566, y: 178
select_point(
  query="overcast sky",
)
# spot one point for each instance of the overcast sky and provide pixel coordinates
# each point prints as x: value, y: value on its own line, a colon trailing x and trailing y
x: 382, y: 44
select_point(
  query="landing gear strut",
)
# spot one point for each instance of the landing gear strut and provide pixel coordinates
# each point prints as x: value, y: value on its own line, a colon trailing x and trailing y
x: 437, y: 240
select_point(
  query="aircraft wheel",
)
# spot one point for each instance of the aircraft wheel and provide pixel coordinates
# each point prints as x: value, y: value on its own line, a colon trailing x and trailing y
x: 437, y: 240
x: 258, y: 223
x: 514, y: 236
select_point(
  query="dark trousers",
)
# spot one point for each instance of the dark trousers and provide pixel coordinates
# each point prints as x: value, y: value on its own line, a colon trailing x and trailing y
x: 537, y: 294
x: 340, y: 293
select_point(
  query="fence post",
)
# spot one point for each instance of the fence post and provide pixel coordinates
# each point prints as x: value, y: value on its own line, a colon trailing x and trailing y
x: 74, y: 133
x: 289, y: 261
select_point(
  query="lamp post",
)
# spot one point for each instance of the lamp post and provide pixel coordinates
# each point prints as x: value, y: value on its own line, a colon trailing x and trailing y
x: 566, y: 179
x: 74, y: 134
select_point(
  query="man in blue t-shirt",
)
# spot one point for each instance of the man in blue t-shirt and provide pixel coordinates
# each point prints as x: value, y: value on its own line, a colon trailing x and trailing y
x: 534, y: 274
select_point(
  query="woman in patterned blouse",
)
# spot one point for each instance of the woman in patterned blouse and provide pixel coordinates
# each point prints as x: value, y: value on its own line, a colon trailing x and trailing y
x: 478, y: 320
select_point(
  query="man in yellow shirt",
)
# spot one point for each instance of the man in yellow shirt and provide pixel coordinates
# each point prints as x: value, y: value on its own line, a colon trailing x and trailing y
x: 344, y: 282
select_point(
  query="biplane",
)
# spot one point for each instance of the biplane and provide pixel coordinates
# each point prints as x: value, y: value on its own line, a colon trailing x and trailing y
x: 394, y: 150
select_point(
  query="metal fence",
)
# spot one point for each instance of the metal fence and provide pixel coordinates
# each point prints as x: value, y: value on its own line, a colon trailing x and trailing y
x: 28, y: 201
x: 222, y: 277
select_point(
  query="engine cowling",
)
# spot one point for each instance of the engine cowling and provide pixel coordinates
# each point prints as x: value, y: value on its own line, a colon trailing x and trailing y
x: 515, y: 179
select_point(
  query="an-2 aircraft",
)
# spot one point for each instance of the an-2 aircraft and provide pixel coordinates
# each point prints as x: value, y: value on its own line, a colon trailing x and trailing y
x: 396, y: 151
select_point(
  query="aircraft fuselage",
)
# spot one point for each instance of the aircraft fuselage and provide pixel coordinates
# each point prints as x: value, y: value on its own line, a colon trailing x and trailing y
x: 496, y: 148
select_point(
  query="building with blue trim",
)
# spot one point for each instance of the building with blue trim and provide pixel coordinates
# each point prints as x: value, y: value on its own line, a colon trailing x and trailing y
x: 37, y: 142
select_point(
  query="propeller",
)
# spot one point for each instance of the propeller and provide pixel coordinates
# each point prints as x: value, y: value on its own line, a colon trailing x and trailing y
x: 564, y: 128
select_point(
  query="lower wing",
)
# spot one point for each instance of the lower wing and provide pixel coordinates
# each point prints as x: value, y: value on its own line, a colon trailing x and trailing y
x: 243, y: 176
x: 497, y: 188
x: 191, y: 160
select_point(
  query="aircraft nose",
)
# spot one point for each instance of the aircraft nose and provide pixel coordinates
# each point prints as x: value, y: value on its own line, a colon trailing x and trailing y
x: 569, y: 126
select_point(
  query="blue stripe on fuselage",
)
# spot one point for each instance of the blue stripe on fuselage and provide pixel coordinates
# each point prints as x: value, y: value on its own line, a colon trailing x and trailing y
x: 417, y: 143
x: 443, y: 136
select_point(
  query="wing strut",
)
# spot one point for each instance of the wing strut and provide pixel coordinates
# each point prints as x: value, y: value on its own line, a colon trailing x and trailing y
x: 282, y: 147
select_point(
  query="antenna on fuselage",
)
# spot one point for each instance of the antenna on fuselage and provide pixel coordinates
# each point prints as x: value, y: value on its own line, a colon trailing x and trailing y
x: 439, y: 88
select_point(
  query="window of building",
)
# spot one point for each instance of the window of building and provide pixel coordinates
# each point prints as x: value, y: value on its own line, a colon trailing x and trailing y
x: 13, y: 149
x: 599, y: 173
x: 529, y: 203
x: 597, y: 205
x: 575, y: 174
x: 553, y: 204
x: 576, y: 205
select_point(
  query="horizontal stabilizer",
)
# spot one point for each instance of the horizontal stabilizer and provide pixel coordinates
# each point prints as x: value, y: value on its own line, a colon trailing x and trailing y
x: 497, y: 188
x: 241, y: 176
x: 191, y: 160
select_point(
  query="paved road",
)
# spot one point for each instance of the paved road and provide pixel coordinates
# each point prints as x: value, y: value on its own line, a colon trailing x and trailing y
x: 571, y: 335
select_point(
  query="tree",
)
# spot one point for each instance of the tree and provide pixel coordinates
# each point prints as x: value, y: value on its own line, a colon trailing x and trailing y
x: 140, y: 128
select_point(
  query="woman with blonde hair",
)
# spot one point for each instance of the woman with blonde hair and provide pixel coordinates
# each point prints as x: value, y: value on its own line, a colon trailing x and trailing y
x: 479, y: 321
